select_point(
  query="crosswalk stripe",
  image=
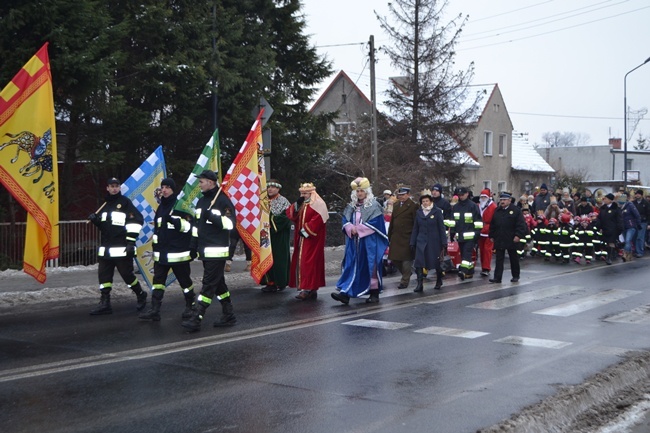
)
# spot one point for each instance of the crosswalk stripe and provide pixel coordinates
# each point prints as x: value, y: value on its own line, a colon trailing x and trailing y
x: 380, y: 324
x: 535, y: 342
x: 639, y: 315
x: 451, y: 332
x: 522, y: 298
x: 587, y: 303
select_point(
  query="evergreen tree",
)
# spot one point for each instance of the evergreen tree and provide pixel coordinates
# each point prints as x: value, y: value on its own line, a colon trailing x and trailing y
x: 132, y: 75
x: 432, y: 107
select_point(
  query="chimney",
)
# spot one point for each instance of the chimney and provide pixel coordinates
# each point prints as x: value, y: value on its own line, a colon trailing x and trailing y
x: 615, y: 143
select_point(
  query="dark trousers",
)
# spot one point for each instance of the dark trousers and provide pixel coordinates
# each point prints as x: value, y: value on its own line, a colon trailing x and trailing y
x: 181, y: 271
x: 234, y: 239
x: 106, y: 269
x: 514, y: 262
x: 466, y: 255
x: 214, y: 282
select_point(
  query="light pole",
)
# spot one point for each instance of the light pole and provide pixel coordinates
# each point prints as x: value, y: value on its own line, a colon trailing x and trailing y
x: 625, y: 122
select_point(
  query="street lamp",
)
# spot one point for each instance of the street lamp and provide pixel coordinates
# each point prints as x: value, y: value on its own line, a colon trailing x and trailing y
x: 625, y: 122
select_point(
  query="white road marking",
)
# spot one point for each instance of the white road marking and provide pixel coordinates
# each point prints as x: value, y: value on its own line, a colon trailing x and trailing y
x: 640, y: 315
x: 587, y: 303
x: 535, y: 342
x: 451, y: 332
x: 522, y: 298
x: 380, y: 324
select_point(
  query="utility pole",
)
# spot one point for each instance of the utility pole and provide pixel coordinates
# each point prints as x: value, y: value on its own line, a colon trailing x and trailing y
x: 373, y: 99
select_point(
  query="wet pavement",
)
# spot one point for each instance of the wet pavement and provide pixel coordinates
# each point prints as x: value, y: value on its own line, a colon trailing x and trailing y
x: 456, y: 360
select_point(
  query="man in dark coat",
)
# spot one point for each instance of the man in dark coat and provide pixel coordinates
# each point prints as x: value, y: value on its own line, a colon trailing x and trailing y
x: 611, y: 224
x: 119, y: 222
x: 399, y: 234
x: 542, y: 200
x: 172, y: 234
x: 643, y: 207
x: 214, y: 219
x: 507, y: 228
x: 441, y: 202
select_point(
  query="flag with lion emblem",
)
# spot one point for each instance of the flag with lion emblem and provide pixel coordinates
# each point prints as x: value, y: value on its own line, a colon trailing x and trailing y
x: 28, y: 161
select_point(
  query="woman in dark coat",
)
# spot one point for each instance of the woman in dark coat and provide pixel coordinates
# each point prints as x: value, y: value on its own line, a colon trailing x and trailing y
x: 428, y: 238
x: 611, y: 224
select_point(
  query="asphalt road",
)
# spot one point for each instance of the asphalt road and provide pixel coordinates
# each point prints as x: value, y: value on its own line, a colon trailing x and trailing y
x: 456, y: 360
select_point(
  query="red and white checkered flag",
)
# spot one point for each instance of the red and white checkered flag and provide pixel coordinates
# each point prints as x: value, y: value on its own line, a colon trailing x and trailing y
x: 245, y: 184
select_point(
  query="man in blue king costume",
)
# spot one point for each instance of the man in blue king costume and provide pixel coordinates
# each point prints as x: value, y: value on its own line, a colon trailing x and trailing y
x: 365, y: 244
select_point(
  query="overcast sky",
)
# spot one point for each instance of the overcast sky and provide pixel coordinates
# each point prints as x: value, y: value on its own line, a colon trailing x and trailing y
x: 560, y: 64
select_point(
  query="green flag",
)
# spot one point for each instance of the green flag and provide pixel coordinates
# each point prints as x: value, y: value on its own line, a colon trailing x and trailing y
x: 210, y: 159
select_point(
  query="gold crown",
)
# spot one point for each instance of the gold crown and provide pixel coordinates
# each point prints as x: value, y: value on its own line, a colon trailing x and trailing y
x: 360, y: 182
x: 307, y: 187
x: 425, y: 192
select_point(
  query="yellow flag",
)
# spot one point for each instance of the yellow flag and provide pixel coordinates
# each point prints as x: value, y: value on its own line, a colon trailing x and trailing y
x: 28, y: 162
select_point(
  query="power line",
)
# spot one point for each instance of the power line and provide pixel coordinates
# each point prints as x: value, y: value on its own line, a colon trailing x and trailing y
x: 341, y: 45
x: 569, y: 116
x: 552, y: 31
x: 540, y: 19
x: 511, y: 11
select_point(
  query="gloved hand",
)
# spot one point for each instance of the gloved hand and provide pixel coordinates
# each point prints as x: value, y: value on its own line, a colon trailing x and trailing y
x: 176, y: 222
x: 304, y: 233
x: 193, y: 253
x: 300, y: 201
x: 93, y: 218
x: 130, y: 249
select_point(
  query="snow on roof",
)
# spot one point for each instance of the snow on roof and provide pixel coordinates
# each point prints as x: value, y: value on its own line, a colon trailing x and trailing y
x: 525, y: 157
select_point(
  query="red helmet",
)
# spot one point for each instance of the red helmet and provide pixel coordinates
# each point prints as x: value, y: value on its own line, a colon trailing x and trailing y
x: 552, y: 221
x: 565, y: 218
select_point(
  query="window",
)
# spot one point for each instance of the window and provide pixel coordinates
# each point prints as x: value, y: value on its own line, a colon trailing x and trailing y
x: 495, y: 107
x: 628, y: 164
x: 487, y: 184
x: 501, y: 186
x: 503, y: 138
x: 487, y: 143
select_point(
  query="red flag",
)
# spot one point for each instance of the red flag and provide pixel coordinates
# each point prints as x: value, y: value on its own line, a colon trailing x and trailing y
x: 245, y: 185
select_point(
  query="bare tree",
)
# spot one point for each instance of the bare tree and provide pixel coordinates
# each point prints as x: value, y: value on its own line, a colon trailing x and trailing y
x: 564, y: 139
x: 432, y: 110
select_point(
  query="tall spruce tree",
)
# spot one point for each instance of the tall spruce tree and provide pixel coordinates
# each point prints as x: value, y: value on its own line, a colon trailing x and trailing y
x: 432, y: 108
x: 132, y: 75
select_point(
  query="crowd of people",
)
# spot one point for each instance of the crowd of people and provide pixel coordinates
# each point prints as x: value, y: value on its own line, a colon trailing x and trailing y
x: 431, y: 235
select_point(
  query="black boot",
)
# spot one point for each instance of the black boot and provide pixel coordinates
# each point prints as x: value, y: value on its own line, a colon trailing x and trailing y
x: 227, y: 316
x: 438, y: 285
x: 141, y: 296
x: 104, y: 306
x: 154, y: 312
x: 420, y: 286
x: 374, y: 297
x: 610, y: 253
x: 190, y: 296
x: 193, y: 323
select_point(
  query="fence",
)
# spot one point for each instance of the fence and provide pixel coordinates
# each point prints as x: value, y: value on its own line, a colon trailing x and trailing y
x: 78, y: 242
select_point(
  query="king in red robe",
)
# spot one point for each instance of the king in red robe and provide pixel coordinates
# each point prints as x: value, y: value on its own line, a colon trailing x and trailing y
x: 309, y: 215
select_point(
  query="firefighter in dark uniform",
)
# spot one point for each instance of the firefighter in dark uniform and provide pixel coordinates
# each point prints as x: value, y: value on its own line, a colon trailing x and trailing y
x: 213, y: 221
x: 465, y: 224
x: 119, y: 223
x: 171, y: 250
